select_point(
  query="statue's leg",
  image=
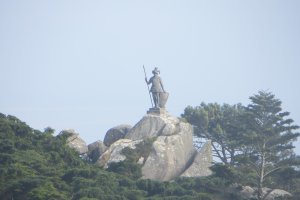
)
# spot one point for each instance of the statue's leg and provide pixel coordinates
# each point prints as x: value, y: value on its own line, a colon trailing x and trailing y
x: 155, y: 99
x: 158, y: 100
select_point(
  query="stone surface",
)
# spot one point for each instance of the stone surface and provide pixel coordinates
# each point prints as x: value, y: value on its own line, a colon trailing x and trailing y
x: 247, y: 192
x: 96, y: 149
x: 201, y: 163
x: 114, y: 152
x: 116, y: 133
x: 141, y: 161
x: 276, y: 193
x: 75, y: 142
x: 170, y: 154
x: 153, y: 125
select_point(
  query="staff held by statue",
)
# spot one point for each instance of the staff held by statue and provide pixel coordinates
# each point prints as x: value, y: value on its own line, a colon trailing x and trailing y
x: 148, y: 86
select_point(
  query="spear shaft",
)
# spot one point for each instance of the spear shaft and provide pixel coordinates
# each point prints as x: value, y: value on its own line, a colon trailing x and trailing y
x: 148, y: 86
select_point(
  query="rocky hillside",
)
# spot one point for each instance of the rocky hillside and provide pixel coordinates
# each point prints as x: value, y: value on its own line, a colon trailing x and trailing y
x: 170, y: 155
x: 35, y: 165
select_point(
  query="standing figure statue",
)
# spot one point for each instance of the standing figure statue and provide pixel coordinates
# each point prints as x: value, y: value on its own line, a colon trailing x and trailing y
x: 159, y: 94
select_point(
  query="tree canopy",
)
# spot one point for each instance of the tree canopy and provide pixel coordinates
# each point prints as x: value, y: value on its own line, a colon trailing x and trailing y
x: 220, y: 124
x: 255, y: 141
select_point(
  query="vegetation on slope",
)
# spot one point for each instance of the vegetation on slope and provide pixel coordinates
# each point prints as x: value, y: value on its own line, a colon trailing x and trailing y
x: 36, y: 165
x: 250, y: 141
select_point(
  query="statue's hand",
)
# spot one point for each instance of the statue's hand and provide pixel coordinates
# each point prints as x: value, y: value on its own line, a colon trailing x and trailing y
x: 146, y: 80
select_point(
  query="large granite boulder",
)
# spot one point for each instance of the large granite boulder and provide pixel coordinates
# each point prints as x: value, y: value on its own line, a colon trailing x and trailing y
x: 95, y: 150
x: 74, y: 141
x: 153, y: 125
x: 276, y: 194
x: 201, y: 163
x: 116, y: 133
x: 170, y: 153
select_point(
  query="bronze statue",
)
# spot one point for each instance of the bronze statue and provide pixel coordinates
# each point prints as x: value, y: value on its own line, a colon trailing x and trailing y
x: 159, y: 94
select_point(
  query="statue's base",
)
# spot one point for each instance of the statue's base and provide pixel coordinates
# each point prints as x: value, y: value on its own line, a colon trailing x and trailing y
x: 157, y: 111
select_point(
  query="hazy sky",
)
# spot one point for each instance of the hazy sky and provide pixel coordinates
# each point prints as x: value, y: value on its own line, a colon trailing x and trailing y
x: 78, y: 64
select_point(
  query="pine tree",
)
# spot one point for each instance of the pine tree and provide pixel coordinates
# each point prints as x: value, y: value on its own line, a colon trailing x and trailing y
x: 269, y: 139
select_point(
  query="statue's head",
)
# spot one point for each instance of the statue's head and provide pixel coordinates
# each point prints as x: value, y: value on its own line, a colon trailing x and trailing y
x: 155, y: 71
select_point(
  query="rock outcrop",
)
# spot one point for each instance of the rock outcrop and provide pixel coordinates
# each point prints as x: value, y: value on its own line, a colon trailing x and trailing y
x: 172, y: 153
x: 276, y: 193
x: 75, y: 142
x: 247, y: 192
x: 95, y: 150
x: 115, y: 134
x: 201, y: 163
x: 153, y: 125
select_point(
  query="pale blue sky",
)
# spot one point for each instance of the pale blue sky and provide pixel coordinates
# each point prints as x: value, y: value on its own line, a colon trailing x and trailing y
x: 78, y: 64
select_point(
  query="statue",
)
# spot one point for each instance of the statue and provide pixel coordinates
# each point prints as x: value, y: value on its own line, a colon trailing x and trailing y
x: 159, y: 94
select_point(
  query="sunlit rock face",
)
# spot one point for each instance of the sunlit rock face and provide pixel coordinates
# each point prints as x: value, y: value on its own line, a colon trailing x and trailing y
x: 201, y: 163
x: 74, y: 141
x: 172, y: 153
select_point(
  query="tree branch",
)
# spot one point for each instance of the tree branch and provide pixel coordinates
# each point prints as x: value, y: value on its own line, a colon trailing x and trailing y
x: 273, y: 170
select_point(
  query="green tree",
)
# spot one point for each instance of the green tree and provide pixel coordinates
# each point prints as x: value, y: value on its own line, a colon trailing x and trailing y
x: 220, y: 124
x: 49, y: 130
x: 269, y: 139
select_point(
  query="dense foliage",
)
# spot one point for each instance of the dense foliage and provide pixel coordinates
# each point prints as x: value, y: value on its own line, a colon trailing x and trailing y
x: 220, y: 124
